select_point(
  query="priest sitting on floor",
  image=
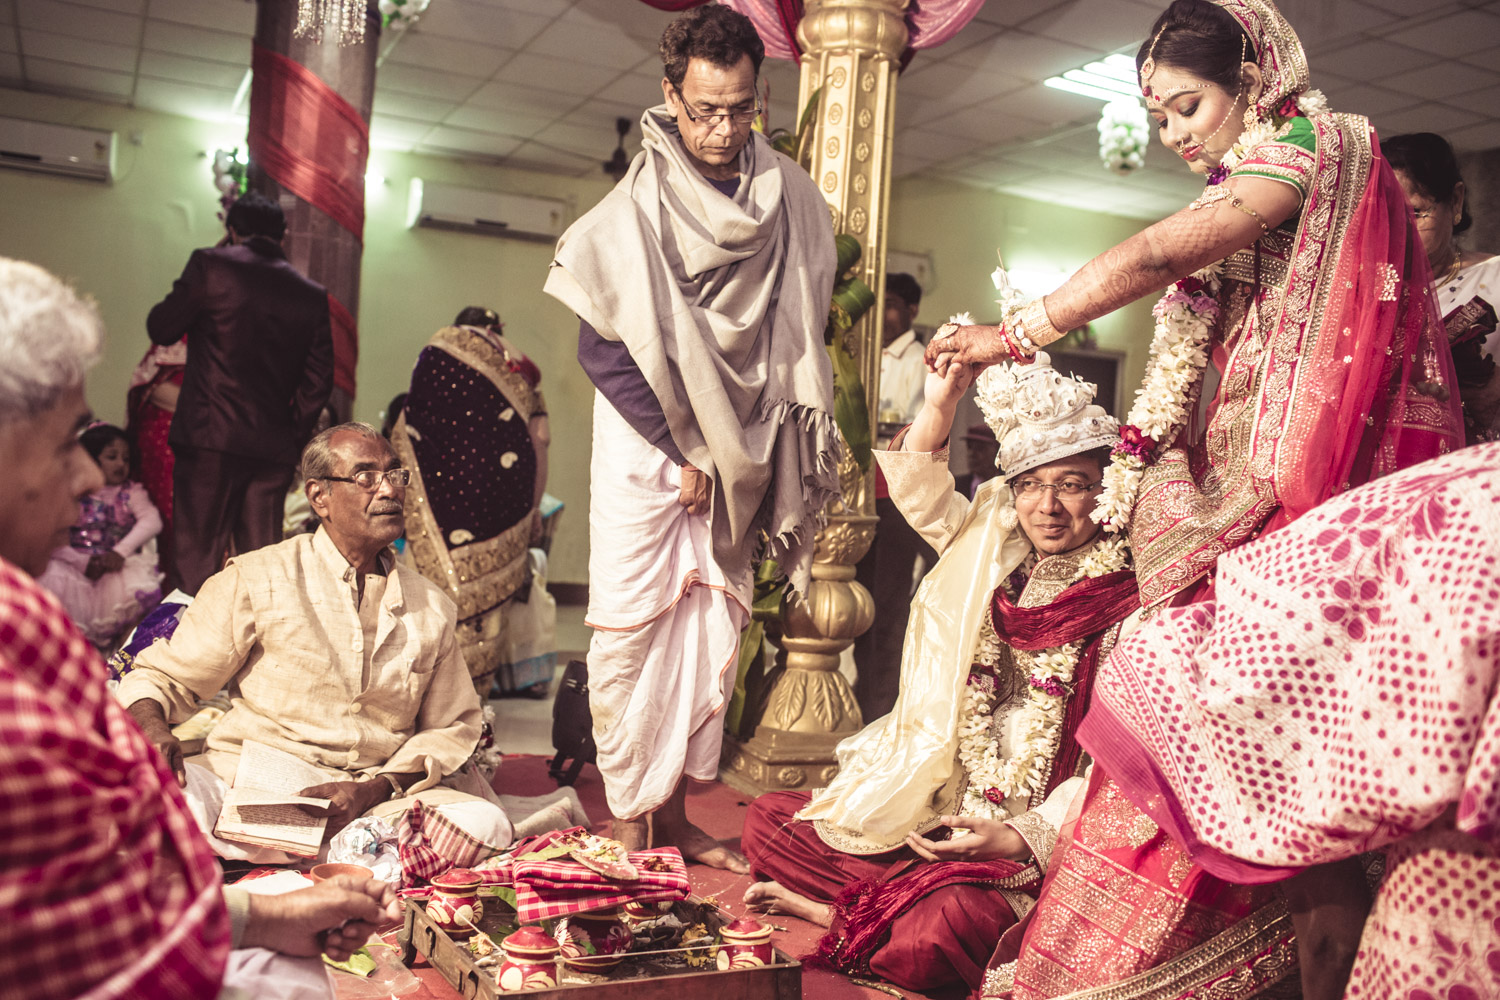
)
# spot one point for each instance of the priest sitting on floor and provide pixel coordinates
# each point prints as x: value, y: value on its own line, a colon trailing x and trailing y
x: 933, y: 837
x: 332, y: 652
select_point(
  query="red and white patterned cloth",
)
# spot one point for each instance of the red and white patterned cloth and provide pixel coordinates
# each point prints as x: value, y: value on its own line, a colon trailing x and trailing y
x: 106, y: 887
x: 557, y: 887
x: 1339, y: 696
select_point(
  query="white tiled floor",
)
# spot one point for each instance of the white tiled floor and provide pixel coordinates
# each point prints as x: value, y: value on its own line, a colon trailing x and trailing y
x: 524, y: 724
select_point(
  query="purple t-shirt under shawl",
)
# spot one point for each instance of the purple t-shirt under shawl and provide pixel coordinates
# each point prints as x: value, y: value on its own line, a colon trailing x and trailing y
x: 615, y: 374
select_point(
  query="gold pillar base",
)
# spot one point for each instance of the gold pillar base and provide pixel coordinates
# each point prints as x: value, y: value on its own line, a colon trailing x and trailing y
x: 775, y: 760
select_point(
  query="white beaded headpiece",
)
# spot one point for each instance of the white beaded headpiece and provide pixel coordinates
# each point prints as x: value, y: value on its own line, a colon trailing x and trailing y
x: 1040, y: 415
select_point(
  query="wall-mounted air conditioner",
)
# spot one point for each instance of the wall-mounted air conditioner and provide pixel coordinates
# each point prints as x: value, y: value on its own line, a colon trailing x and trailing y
x: 57, y: 149
x: 470, y: 210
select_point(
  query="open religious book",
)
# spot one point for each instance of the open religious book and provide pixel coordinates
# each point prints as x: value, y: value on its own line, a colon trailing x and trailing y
x: 261, y: 808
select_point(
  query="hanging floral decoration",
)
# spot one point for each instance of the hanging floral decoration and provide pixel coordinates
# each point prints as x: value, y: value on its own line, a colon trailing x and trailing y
x: 1124, y: 132
x: 345, y: 19
x: 229, y: 177
x: 398, y: 15
x: 1049, y: 679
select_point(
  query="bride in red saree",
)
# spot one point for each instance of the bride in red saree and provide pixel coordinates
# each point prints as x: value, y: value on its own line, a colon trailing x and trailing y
x: 1328, y: 369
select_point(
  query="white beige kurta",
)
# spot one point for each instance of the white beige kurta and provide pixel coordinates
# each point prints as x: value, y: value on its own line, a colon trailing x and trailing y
x: 666, y: 620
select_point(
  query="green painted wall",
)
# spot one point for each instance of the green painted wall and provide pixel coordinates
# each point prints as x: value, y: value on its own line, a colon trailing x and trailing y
x: 124, y: 244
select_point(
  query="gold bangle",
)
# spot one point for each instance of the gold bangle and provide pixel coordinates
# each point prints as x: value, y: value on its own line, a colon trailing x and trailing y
x: 1032, y: 328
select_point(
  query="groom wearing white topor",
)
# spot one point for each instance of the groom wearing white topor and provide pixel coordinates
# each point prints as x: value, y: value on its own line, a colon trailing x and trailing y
x: 702, y: 284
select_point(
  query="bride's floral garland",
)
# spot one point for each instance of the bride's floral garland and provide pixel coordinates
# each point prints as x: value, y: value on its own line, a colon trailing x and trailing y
x: 1039, y: 725
x: 1185, y: 317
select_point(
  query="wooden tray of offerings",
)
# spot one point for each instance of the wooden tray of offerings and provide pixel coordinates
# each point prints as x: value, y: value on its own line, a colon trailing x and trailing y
x: 643, y: 977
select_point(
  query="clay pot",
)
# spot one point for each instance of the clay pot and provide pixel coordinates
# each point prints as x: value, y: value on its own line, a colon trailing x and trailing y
x: 455, y: 902
x: 605, y: 931
x: 746, y: 944
x: 327, y: 870
x: 529, y: 962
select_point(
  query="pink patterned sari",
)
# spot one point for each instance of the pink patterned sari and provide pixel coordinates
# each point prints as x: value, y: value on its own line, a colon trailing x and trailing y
x: 1338, y: 697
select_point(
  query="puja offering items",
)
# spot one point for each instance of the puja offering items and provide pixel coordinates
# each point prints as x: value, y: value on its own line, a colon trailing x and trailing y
x: 593, y: 942
x: 529, y: 963
x: 455, y: 905
x: 746, y: 944
x: 327, y: 870
x: 607, y: 857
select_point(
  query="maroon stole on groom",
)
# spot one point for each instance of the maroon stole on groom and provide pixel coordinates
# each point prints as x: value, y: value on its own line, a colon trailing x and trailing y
x: 863, y: 913
x: 1082, y: 613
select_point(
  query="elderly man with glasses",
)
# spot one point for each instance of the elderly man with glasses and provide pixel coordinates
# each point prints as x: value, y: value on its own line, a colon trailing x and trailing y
x: 702, y: 284
x: 331, y: 651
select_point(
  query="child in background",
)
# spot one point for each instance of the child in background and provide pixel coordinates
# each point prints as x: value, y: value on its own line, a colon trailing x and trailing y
x: 103, y: 578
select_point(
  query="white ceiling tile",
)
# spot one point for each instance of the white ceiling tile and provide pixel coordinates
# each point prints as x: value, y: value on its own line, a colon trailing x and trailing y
x: 641, y: 23
x: 165, y: 66
x: 1366, y: 59
x: 505, y: 121
x: 1362, y: 99
x: 465, y: 19
x: 988, y: 123
x: 644, y: 91
x: 449, y: 86
x: 7, y: 12
x: 1451, y: 35
x: 958, y: 85
x: 1054, y: 107
x: 526, y: 99
x: 604, y: 113
x: 531, y: 6
x: 428, y: 109
x: 417, y: 48
x: 59, y: 76
x: 10, y: 66
x: 189, y: 100
x: 1023, y: 54
x: 1101, y: 25
x: 220, y: 15
x: 532, y: 156
x: 391, y: 133
x: 581, y: 38
x: 1484, y: 102
x: 1013, y: 12
x: 79, y: 22
x: 10, y: 39
x: 937, y: 145
x: 451, y: 140
x: 1485, y: 135
x: 1410, y: 8
x: 1327, y: 24
x: 100, y: 55
x: 1424, y: 118
x: 1487, y: 58
x: 997, y: 172
x: 582, y: 140
x: 186, y: 40
x: 569, y: 76
x: 1441, y: 80
x: 120, y: 6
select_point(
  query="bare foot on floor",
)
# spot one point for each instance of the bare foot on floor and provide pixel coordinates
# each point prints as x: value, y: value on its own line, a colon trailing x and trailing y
x: 773, y: 897
x: 635, y: 834
x: 698, y: 846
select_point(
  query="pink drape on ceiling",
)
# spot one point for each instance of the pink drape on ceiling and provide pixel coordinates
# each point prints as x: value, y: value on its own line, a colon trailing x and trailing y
x: 929, y: 22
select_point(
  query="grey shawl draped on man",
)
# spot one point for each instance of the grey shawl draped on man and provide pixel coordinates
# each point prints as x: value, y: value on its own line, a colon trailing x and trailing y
x: 721, y: 302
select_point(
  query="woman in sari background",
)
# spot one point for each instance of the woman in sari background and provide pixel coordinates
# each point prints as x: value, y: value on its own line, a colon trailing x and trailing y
x: 1300, y: 275
x: 1467, y: 281
x: 149, y: 406
x: 474, y: 435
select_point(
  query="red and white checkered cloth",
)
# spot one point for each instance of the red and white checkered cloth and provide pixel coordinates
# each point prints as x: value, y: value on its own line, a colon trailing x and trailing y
x: 430, y: 843
x: 560, y: 886
x: 107, y: 889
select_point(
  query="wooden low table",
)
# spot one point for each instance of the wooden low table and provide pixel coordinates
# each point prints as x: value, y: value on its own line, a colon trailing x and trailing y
x: 633, y: 979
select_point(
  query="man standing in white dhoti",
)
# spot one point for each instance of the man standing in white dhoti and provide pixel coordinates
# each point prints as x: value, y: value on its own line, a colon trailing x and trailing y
x: 701, y: 283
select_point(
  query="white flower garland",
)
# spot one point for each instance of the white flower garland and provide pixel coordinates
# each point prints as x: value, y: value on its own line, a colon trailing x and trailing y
x: 1039, y: 723
x: 1124, y: 132
x: 398, y: 15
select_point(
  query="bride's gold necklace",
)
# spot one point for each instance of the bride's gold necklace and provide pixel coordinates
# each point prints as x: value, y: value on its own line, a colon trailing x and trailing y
x: 1452, y: 272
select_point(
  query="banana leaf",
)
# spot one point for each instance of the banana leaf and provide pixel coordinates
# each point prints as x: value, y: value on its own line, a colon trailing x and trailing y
x: 749, y: 680
x: 849, y: 410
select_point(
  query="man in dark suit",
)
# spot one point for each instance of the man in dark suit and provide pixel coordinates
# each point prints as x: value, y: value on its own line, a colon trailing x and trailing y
x: 259, y: 371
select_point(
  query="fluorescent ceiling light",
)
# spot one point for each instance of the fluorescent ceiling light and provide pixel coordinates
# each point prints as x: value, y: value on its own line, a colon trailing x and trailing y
x: 1086, y: 90
x: 1109, y: 79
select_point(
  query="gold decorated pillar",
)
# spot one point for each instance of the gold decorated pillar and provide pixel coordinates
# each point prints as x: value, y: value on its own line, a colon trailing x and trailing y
x: 851, y: 49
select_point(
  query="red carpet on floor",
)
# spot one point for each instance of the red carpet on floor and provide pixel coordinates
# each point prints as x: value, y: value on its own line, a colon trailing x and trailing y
x: 720, y: 811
